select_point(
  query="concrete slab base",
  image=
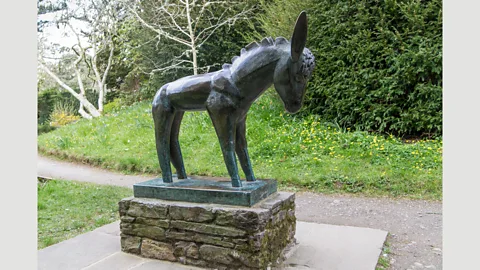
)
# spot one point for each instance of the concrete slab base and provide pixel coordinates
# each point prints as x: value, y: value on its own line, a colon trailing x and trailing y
x: 321, y: 247
x: 330, y: 247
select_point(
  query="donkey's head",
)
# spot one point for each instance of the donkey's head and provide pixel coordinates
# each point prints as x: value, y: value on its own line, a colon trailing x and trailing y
x: 295, y: 68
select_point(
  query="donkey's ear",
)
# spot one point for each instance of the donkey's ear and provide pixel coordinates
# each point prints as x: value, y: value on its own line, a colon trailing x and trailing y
x: 299, y: 37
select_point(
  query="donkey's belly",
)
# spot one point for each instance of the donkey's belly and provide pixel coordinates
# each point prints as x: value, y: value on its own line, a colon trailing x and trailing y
x: 189, y: 93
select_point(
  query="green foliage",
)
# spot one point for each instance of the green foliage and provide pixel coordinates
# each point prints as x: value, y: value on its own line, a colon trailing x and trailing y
x: 45, y: 102
x: 63, y: 114
x: 66, y: 209
x: 384, y: 261
x: 113, y: 106
x: 301, y: 153
x: 378, y: 63
x: 227, y: 41
x: 140, y: 52
x: 278, y: 17
x: 44, y: 128
x: 49, y: 98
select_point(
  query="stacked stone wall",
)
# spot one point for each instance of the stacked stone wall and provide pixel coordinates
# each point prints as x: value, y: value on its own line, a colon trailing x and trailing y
x: 209, y: 235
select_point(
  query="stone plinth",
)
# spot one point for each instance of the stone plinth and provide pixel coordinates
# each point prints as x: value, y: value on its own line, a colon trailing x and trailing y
x: 209, y: 235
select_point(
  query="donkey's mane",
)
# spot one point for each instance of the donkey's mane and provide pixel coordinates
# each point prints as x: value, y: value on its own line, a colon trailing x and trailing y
x: 265, y: 42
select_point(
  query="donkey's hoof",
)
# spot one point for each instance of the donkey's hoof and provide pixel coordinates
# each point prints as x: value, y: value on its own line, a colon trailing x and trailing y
x: 236, y: 183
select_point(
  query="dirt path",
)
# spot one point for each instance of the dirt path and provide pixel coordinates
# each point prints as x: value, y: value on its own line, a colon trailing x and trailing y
x: 415, y: 226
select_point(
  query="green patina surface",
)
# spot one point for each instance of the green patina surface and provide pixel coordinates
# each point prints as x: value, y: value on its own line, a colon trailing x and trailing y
x: 206, y: 191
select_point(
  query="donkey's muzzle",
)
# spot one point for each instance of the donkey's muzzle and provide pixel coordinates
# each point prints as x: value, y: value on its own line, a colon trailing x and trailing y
x: 293, y: 108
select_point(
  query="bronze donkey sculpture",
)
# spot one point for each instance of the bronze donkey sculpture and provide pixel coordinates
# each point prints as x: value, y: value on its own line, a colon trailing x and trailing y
x: 227, y: 95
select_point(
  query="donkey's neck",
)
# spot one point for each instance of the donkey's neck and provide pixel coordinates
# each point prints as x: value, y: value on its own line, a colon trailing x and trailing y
x: 252, y: 74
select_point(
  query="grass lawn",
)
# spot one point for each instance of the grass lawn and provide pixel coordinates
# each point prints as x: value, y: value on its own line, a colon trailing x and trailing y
x: 67, y: 209
x: 299, y: 152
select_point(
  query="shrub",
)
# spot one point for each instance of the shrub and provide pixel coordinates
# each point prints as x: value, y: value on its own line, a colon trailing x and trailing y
x: 113, y: 106
x: 47, y: 99
x: 378, y: 63
x: 63, y: 113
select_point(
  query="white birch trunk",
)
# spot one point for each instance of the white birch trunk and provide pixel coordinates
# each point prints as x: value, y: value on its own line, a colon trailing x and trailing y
x: 81, y: 111
x: 97, y: 75
x: 93, y: 112
x: 192, y: 39
x: 103, y: 93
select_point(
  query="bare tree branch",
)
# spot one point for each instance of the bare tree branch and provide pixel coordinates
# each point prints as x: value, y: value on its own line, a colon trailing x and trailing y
x: 158, y: 30
x: 174, y: 22
x: 177, y: 19
x: 211, y: 30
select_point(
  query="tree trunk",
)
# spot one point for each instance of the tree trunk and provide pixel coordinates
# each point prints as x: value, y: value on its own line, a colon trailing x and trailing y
x: 83, y: 113
x: 90, y: 108
x: 103, y: 92
x: 194, y: 56
x: 192, y: 38
x: 100, y: 97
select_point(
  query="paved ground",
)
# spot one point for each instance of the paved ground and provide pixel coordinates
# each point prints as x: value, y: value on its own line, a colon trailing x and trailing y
x: 415, y: 226
x: 321, y: 247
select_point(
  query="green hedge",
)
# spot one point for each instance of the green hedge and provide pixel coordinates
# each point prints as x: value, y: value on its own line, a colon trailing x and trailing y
x: 378, y: 63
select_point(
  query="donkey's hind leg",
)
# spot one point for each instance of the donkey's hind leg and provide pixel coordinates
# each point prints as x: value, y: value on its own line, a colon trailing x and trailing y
x: 163, y: 115
x: 175, y: 152
x: 242, y: 152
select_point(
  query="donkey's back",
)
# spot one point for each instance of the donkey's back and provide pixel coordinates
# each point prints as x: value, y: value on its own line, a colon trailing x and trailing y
x: 186, y: 94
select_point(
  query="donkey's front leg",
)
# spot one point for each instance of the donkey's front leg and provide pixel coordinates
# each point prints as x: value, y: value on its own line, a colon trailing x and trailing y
x: 242, y: 152
x: 224, y: 124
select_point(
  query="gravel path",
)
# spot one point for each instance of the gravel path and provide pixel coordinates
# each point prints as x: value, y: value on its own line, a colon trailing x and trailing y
x: 415, y: 226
